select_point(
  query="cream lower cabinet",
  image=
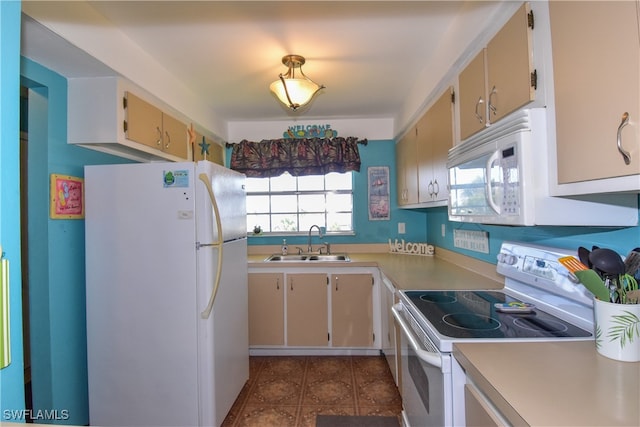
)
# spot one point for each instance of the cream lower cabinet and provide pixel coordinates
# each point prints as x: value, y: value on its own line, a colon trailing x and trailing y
x: 266, y: 309
x: 479, y: 411
x: 352, y: 310
x: 319, y: 310
x: 307, y: 310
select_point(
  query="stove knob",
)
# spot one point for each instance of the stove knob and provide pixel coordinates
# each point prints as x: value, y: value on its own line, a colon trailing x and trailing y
x: 507, y: 259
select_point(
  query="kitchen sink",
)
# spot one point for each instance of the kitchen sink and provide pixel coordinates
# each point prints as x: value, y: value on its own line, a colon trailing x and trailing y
x: 310, y: 258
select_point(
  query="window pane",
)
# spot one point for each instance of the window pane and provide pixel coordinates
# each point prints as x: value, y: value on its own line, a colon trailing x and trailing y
x: 338, y: 181
x: 311, y: 183
x: 257, y: 204
x: 287, y: 204
x: 311, y: 203
x: 257, y: 184
x: 284, y: 222
x: 339, y: 222
x: 261, y: 220
x: 284, y: 203
x: 339, y: 202
x: 284, y: 182
x: 307, y: 220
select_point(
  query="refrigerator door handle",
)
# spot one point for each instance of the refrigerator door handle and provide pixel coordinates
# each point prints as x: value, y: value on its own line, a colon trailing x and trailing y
x: 207, y: 183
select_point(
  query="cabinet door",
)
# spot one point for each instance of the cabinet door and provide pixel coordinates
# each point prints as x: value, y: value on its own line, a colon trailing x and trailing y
x: 424, y: 154
x: 307, y: 310
x: 143, y: 122
x: 407, y: 169
x: 174, y: 137
x: 215, y: 154
x: 509, y: 67
x: 352, y: 310
x: 596, y: 72
x: 435, y: 138
x: 478, y: 412
x: 266, y: 309
x: 472, y: 95
x: 441, y: 114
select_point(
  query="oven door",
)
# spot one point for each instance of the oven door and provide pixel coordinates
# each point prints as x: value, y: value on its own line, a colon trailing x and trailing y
x: 426, y: 376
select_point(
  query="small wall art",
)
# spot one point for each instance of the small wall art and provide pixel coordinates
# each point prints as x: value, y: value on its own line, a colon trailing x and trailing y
x: 378, y: 200
x: 67, y: 197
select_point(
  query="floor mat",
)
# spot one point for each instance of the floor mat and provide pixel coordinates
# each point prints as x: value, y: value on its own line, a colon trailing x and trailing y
x: 355, y: 421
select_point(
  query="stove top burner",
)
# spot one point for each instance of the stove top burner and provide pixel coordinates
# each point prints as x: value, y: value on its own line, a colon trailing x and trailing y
x: 476, y: 322
x: 472, y: 314
x: 438, y: 298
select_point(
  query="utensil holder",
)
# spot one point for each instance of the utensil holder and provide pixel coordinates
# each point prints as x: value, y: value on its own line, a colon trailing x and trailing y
x: 617, y: 330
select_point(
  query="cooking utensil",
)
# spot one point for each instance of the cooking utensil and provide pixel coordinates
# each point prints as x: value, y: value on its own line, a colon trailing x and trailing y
x: 607, y: 261
x: 632, y: 262
x: 572, y: 264
x: 594, y: 284
x: 583, y: 254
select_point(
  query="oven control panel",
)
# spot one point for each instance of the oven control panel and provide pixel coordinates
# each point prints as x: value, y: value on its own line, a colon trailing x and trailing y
x: 538, y: 266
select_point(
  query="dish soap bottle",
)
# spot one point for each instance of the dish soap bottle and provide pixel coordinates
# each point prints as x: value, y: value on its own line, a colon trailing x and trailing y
x: 284, y: 247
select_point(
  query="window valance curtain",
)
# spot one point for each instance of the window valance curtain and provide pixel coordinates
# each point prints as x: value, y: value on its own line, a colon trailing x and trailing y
x: 299, y: 157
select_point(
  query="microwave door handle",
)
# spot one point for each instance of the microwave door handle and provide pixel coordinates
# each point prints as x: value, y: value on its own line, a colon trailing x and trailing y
x: 487, y: 182
x: 431, y: 358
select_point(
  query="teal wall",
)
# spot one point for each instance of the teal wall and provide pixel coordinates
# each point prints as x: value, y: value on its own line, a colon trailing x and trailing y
x: 11, y: 377
x: 55, y: 252
x: 376, y: 153
x: 620, y: 239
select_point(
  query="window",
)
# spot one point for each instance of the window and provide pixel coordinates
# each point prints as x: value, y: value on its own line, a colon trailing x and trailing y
x: 287, y: 204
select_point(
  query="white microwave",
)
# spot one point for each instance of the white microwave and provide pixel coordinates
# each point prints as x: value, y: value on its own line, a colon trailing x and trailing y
x: 501, y: 176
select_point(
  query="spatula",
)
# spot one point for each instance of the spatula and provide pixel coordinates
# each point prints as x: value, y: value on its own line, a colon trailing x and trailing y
x: 588, y: 278
x: 594, y: 283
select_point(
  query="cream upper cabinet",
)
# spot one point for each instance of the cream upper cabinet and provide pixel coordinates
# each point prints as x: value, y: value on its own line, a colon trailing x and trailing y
x: 148, y: 125
x: 472, y: 85
x: 266, y: 309
x: 215, y: 152
x: 596, y: 74
x: 499, y: 79
x: 511, y: 78
x: 307, y: 310
x: 352, y: 310
x: 434, y: 139
x: 174, y: 137
x: 407, y: 169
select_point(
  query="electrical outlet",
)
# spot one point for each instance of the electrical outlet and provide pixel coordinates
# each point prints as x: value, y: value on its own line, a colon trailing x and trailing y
x: 401, y: 228
x: 443, y: 230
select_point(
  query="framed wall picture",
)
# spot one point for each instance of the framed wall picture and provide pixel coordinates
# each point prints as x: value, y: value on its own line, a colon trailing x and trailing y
x: 67, y: 197
x: 378, y: 188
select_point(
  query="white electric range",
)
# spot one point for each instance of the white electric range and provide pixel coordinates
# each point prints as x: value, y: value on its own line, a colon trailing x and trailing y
x: 541, y: 301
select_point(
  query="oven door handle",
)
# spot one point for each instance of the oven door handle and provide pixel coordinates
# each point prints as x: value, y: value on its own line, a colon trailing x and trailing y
x: 431, y: 358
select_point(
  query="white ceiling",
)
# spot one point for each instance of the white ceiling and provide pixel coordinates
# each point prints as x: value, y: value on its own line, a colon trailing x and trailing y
x: 376, y: 59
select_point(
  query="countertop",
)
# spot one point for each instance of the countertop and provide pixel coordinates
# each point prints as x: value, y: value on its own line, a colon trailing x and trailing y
x: 554, y: 384
x: 410, y: 271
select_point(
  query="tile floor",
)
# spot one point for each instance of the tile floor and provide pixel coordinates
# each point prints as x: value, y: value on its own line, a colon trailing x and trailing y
x: 291, y: 390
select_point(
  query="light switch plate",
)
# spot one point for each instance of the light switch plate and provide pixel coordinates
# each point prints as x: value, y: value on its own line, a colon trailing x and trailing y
x: 401, y: 228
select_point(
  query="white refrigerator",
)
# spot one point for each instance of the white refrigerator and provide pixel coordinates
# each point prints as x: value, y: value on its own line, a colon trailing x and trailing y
x: 166, y: 292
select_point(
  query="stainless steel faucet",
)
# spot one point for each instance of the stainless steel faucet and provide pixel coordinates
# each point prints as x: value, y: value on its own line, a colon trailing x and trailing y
x: 309, y: 248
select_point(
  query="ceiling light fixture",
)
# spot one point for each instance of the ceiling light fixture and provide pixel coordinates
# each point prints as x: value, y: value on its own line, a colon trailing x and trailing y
x: 294, y: 91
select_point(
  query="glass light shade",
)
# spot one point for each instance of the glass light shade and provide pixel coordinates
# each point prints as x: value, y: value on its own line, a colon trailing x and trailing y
x: 300, y: 91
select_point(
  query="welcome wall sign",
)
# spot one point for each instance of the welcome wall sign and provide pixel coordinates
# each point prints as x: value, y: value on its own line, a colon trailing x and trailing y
x: 310, y: 131
x: 410, y: 248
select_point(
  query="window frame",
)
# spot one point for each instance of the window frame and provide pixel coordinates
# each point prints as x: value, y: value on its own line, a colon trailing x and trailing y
x: 298, y: 213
